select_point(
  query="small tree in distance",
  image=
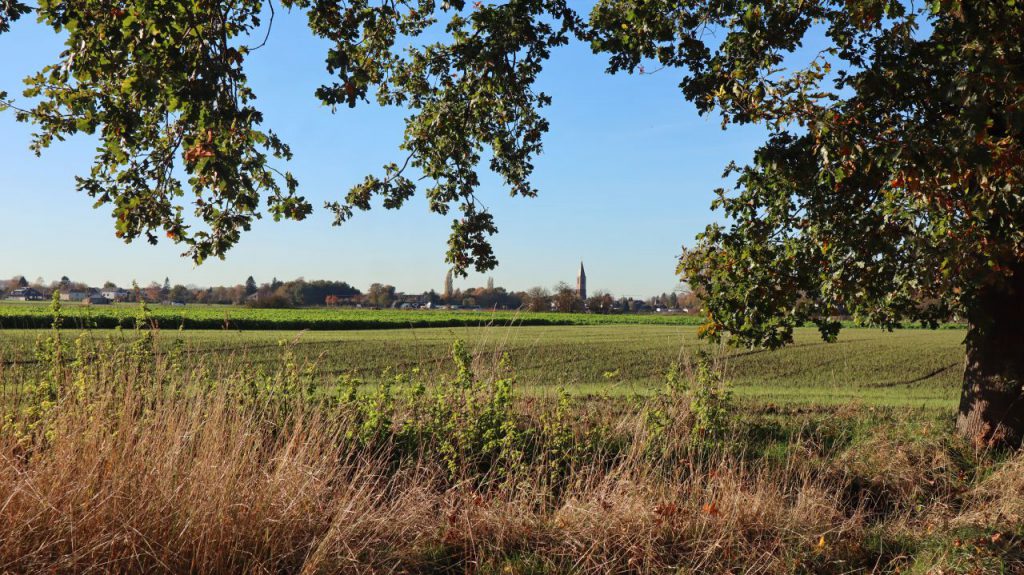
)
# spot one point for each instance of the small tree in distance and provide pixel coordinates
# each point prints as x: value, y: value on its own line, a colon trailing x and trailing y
x: 601, y: 302
x: 566, y: 299
x: 538, y: 299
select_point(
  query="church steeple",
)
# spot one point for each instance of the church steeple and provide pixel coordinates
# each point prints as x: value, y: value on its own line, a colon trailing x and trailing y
x: 581, y: 283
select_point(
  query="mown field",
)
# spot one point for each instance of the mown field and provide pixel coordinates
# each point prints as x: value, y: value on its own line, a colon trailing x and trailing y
x: 34, y: 315
x: 918, y: 368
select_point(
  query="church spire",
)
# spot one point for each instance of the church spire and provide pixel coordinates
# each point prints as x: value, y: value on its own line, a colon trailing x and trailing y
x: 581, y: 283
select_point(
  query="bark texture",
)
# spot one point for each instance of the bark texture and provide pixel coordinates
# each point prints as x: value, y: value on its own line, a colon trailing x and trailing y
x: 992, y: 401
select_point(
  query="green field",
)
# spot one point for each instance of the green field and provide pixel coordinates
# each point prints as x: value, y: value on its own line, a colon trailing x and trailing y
x: 916, y: 368
x: 833, y: 457
x: 34, y: 315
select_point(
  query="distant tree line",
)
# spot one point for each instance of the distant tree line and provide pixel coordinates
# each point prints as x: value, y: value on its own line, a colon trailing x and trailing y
x: 310, y: 293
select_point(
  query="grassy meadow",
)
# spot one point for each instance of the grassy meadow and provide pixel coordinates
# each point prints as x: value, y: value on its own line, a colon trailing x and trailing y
x: 918, y: 368
x: 501, y: 449
x: 27, y: 315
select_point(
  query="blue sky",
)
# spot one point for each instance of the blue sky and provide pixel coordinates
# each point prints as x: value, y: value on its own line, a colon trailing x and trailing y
x: 626, y: 179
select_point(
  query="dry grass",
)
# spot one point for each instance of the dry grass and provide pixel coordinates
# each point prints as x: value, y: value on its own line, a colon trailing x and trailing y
x: 170, y: 470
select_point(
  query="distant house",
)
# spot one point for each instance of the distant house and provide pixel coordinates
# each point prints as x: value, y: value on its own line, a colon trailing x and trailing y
x: 410, y: 301
x: 73, y: 295
x: 25, y: 294
x: 96, y: 300
x: 115, y: 294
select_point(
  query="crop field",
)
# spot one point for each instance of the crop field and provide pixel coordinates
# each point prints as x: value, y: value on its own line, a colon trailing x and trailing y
x: 919, y: 368
x: 37, y: 315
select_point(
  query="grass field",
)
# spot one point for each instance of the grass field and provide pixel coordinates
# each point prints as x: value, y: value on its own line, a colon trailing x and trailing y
x: 219, y: 452
x: 918, y: 368
x: 29, y: 315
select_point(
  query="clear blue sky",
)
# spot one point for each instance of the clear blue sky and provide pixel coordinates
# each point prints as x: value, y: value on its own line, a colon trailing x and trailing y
x: 626, y: 179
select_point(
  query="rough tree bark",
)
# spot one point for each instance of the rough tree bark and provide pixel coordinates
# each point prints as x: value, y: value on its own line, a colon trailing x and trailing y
x: 992, y: 399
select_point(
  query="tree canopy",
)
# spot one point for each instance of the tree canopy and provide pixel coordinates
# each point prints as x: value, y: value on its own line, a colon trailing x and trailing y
x: 892, y: 191
x: 889, y: 189
x: 162, y: 84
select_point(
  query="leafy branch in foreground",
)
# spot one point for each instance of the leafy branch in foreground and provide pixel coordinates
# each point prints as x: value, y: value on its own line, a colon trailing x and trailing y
x: 470, y: 95
x: 161, y: 84
x: 11, y: 10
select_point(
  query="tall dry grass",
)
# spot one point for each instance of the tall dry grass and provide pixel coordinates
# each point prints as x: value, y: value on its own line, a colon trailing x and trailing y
x: 147, y: 463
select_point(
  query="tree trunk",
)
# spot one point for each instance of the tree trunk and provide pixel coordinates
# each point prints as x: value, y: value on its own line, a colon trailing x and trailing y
x: 992, y: 400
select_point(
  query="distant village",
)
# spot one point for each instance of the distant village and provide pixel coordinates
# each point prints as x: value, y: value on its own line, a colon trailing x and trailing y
x: 562, y: 297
